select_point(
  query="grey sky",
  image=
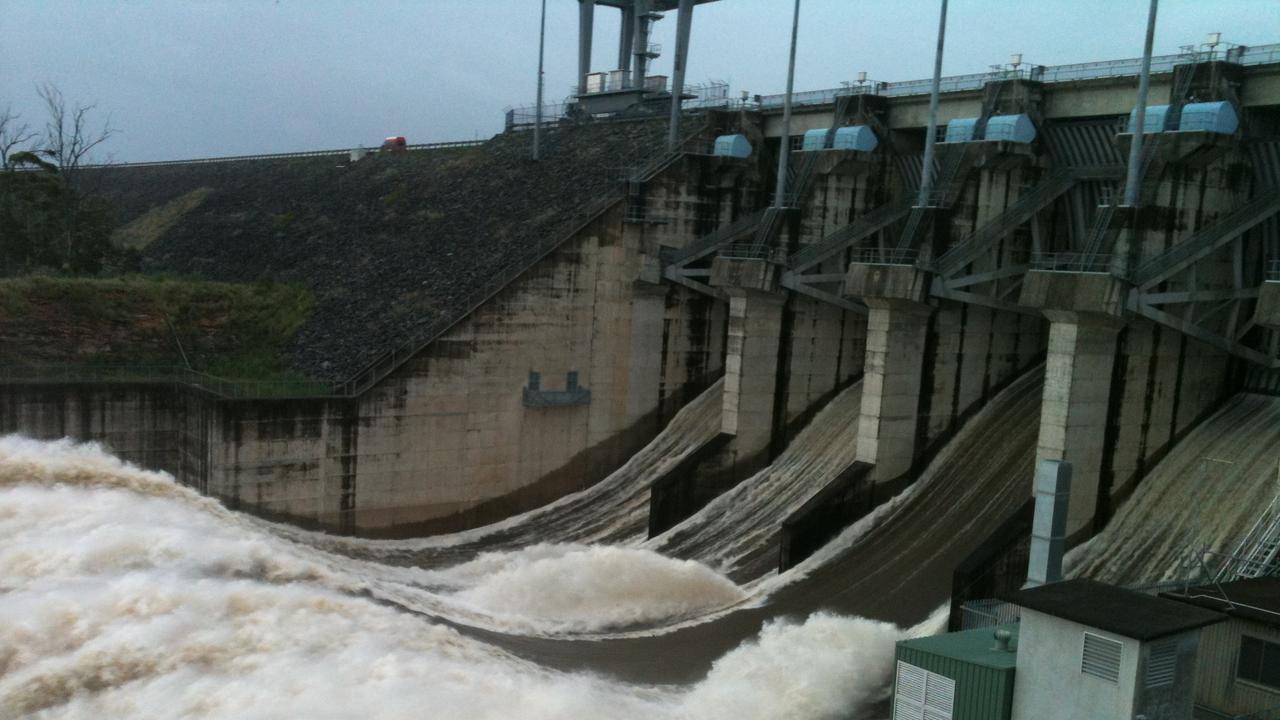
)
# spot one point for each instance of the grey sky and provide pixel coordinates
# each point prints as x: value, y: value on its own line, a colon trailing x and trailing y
x: 188, y: 79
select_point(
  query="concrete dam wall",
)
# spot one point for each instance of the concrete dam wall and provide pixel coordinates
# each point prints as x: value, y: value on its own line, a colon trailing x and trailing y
x: 588, y: 311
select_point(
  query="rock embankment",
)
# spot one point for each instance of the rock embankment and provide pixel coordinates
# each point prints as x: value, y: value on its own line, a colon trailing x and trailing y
x: 387, y: 245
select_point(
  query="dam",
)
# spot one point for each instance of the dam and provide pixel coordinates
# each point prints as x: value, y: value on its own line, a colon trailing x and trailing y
x: 713, y: 389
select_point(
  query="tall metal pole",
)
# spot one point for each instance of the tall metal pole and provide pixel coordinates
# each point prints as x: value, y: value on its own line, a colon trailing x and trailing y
x: 1133, y: 182
x: 780, y: 198
x: 537, y: 122
x: 626, y: 37
x: 931, y: 135
x: 640, y: 42
x: 586, y: 27
x: 684, y: 21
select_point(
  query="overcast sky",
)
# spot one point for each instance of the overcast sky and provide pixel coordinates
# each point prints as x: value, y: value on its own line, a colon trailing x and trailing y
x: 198, y: 78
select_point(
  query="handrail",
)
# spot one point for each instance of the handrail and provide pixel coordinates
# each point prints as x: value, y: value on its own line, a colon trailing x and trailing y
x: 281, y: 156
x: 1267, y: 524
x: 166, y: 374
x: 1071, y: 262
x: 862, y: 226
x: 1257, y: 55
x: 1184, y: 251
x: 1047, y: 190
x: 721, y: 235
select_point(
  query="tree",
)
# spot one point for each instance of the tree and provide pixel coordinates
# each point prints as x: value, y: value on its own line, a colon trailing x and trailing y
x: 70, y: 136
x: 47, y: 217
x: 13, y: 133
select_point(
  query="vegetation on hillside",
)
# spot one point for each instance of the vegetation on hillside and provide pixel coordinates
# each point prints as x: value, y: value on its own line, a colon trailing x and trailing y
x: 234, y: 331
x: 48, y: 221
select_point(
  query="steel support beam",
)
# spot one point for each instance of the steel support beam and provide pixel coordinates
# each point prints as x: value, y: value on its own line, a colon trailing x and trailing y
x: 626, y: 38
x: 684, y: 21
x: 640, y: 22
x: 1133, y: 183
x: 586, y: 27
x: 784, y: 154
x: 931, y: 134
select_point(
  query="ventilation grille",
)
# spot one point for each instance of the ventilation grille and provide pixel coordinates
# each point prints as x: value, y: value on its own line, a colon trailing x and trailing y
x: 1101, y: 657
x: 1162, y: 662
x: 922, y: 695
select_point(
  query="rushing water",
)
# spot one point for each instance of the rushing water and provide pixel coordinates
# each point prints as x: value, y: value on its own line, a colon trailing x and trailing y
x: 1204, y: 495
x: 126, y: 595
x: 123, y: 594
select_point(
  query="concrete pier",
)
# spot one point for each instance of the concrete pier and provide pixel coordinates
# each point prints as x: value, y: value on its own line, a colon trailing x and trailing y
x: 751, y: 357
x: 891, y: 385
x: 751, y: 369
x: 1073, y: 414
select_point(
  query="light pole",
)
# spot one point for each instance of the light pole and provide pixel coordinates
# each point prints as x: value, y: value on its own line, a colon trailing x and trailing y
x: 931, y: 134
x: 780, y: 198
x: 537, y: 112
x: 1133, y: 181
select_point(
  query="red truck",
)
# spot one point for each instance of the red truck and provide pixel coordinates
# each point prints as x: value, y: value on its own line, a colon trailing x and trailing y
x: 395, y: 144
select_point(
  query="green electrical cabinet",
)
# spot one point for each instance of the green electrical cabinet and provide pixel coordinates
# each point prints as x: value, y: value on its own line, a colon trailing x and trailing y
x: 973, y: 660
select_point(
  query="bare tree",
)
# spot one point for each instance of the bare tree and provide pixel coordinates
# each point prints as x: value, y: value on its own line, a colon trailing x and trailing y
x: 70, y: 135
x: 13, y: 133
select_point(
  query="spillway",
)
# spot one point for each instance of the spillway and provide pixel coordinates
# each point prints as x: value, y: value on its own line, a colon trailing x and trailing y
x: 1206, y: 493
x: 738, y: 531
x: 615, y: 510
x: 895, y: 565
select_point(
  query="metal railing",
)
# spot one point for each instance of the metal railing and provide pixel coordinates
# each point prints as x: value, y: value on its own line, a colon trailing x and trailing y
x: 862, y: 227
x: 976, y: 614
x: 1076, y: 262
x: 162, y: 375
x: 753, y: 251
x: 1129, y: 67
x: 283, y: 156
x: 1272, y: 270
x: 1253, y: 211
x: 722, y: 235
x: 886, y: 256
x: 1255, y: 555
x: 1022, y: 209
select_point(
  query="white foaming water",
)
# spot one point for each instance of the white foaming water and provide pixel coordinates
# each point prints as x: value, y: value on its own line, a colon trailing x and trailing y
x: 125, y: 595
x: 580, y: 588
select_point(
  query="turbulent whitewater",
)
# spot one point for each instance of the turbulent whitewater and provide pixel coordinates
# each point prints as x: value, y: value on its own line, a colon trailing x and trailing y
x: 126, y: 595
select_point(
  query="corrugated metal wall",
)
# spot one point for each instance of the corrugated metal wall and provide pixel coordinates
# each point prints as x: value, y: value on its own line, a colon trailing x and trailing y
x: 1216, y: 684
x: 982, y: 693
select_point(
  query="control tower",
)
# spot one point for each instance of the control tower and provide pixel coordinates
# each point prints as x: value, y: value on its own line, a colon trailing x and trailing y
x: 628, y: 83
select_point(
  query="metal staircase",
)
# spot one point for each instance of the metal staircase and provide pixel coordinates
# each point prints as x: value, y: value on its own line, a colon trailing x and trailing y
x: 863, y: 227
x: 799, y: 180
x: 1257, y: 554
x: 945, y: 191
x: 1208, y: 239
x: 1100, y: 233
x: 1040, y: 196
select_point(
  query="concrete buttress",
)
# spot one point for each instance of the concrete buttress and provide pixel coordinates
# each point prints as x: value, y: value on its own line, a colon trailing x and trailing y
x: 1073, y: 414
x: 751, y: 369
x: 896, y: 331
